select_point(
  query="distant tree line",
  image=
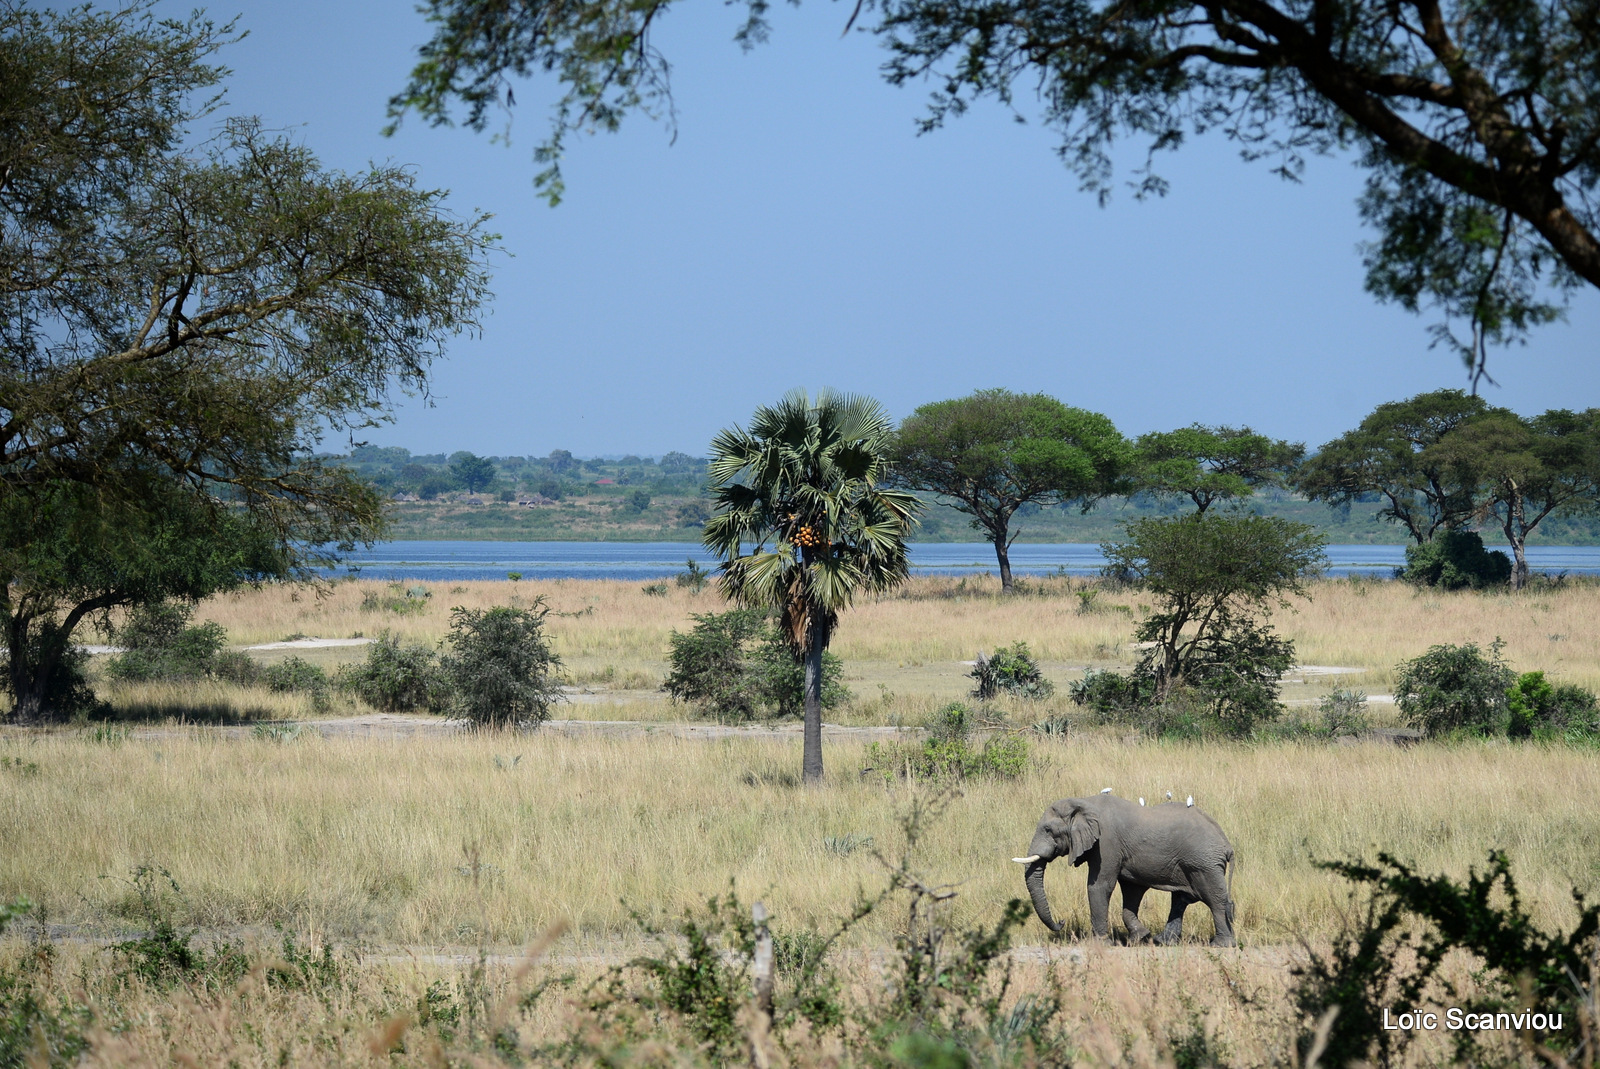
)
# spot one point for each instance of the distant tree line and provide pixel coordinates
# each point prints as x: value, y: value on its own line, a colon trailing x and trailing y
x: 633, y: 480
x: 1442, y: 465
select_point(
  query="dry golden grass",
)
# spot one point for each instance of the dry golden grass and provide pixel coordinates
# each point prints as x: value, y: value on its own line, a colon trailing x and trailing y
x: 377, y: 839
x: 485, y: 840
x: 1118, y: 1006
x: 913, y: 641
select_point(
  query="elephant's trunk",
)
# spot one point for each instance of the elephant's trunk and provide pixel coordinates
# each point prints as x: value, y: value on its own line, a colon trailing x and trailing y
x: 1034, y: 876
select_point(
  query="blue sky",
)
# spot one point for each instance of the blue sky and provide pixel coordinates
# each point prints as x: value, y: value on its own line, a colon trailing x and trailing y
x: 799, y: 233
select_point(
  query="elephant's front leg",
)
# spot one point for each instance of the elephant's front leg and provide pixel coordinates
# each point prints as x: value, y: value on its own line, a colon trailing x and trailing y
x: 1172, y: 934
x: 1132, y: 895
x: 1101, y: 883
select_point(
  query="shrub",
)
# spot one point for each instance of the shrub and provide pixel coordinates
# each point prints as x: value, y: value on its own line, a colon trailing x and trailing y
x: 1232, y: 687
x: 501, y: 669
x: 1382, y: 960
x: 294, y: 675
x: 1011, y: 670
x: 947, y: 752
x: 1344, y: 712
x: 736, y: 666
x: 1455, y: 688
x: 397, y: 679
x: 160, y: 644
x: 1535, y: 707
x: 1115, y: 697
x: 401, y: 600
x: 708, y: 664
x: 1456, y: 560
x: 1236, y: 670
x: 780, y: 680
x: 693, y: 576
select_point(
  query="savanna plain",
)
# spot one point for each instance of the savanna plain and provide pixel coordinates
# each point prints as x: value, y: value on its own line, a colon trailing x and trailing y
x: 401, y: 874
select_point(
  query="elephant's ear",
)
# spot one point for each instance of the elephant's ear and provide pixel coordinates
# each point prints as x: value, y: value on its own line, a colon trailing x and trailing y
x: 1085, y: 833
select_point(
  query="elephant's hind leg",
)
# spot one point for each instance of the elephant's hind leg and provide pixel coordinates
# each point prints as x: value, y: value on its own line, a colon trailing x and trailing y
x: 1172, y: 934
x: 1212, y: 887
x: 1132, y: 895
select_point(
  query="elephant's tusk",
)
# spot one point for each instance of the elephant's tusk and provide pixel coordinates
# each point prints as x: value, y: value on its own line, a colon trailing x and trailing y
x: 1026, y: 860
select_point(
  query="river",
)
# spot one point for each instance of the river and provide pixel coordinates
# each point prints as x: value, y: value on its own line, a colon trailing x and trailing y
x: 644, y: 561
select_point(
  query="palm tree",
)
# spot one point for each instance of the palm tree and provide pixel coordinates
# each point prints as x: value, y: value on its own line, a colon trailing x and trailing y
x: 806, y: 479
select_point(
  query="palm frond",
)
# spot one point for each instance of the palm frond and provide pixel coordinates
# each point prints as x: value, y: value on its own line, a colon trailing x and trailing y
x: 805, y: 475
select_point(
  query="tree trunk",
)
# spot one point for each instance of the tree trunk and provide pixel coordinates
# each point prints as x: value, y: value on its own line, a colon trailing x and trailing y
x: 811, y: 762
x: 1516, y: 534
x: 1002, y: 552
x: 32, y: 664
x: 27, y: 681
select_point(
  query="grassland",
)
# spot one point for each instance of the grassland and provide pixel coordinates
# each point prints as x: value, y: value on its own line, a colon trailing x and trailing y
x: 409, y: 848
x: 376, y: 841
x: 911, y: 643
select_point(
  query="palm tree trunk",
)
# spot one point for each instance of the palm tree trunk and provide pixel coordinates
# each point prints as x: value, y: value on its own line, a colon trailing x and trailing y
x: 811, y: 761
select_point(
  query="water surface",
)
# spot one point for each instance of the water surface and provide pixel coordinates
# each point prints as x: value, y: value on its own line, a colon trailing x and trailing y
x: 647, y: 561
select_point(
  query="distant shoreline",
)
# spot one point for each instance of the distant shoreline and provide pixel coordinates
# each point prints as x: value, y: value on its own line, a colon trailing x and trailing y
x: 444, y: 560
x: 692, y: 538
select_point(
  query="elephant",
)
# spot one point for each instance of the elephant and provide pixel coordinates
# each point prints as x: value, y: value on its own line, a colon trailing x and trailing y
x: 1173, y: 847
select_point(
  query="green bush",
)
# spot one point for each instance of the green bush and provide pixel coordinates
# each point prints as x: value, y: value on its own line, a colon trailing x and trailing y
x: 1456, y: 560
x: 294, y: 675
x: 708, y: 664
x: 1230, y: 693
x: 396, y: 678
x: 1114, y: 697
x: 780, y: 680
x: 159, y: 643
x: 735, y: 666
x: 1393, y: 948
x: 1012, y: 670
x: 947, y: 752
x: 693, y: 576
x: 1344, y: 712
x: 1455, y: 689
x: 500, y: 668
x: 1235, y: 670
x: 1537, y: 708
x: 401, y: 600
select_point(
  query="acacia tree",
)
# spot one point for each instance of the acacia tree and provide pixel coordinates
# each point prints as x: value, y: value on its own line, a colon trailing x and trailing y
x: 70, y: 554
x: 803, y: 523
x: 1212, y: 464
x: 195, y: 319
x: 1217, y: 578
x: 995, y: 451
x: 1391, y: 454
x: 1478, y: 124
x: 1526, y: 469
